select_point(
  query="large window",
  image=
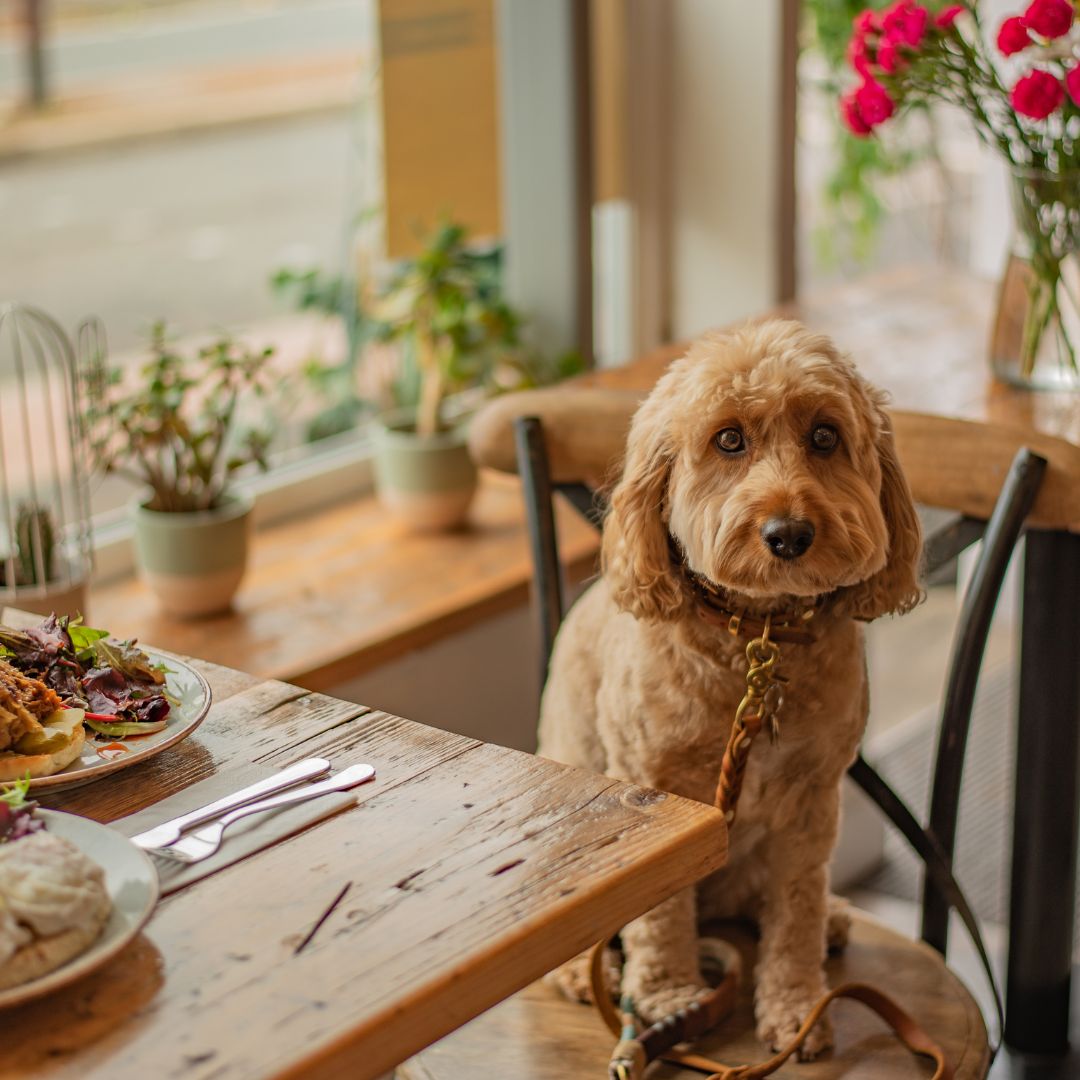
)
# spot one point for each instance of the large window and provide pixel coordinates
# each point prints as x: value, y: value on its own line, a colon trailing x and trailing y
x: 188, y: 162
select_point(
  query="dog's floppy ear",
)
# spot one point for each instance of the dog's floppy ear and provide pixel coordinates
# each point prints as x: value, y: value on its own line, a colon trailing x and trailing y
x: 895, y: 588
x: 635, y: 557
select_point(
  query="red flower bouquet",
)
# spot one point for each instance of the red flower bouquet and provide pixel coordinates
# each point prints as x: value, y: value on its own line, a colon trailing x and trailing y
x: 1020, y: 84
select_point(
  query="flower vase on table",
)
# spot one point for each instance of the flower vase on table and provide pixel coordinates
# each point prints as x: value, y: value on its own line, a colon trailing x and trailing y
x: 1020, y: 85
x: 1036, y: 330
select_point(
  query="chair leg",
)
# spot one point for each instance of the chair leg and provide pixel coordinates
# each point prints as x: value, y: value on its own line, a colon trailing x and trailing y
x: 1002, y: 533
x: 535, y: 476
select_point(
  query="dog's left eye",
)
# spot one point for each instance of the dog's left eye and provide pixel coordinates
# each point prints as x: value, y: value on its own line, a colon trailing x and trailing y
x: 824, y: 438
x: 730, y: 440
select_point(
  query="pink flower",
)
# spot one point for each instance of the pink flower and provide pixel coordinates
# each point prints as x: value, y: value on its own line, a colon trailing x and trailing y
x: 1050, y: 18
x: 1013, y: 36
x: 874, y: 104
x: 866, y: 22
x: 944, y: 19
x: 1037, y: 95
x: 849, y: 113
x: 858, y: 56
x: 905, y: 23
x: 889, y: 57
x: 1072, y: 83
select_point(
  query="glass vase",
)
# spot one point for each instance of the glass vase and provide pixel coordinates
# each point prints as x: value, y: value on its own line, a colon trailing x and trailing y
x: 1037, y: 325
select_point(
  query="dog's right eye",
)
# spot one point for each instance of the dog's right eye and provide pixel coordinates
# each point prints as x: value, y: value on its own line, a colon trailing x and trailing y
x: 730, y: 440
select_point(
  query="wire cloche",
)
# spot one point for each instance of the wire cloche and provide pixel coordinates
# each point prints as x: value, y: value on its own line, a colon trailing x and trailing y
x: 44, y: 493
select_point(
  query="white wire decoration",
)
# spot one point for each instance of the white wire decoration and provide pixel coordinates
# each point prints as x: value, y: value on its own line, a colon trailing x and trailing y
x: 44, y: 494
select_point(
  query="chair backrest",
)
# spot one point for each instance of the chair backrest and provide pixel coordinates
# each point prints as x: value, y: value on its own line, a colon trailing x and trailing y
x: 933, y: 842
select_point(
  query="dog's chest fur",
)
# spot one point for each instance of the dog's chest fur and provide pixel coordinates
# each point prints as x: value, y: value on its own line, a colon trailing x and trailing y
x: 675, y: 721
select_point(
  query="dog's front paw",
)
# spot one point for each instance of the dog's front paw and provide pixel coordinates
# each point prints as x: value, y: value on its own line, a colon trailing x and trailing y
x: 662, y: 1001
x: 778, y: 1024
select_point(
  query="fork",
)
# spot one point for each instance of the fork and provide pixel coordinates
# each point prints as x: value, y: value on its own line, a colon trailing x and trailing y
x: 202, y: 844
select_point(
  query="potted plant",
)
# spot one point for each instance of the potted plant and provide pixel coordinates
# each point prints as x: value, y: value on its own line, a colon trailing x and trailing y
x: 172, y: 428
x: 37, y: 574
x: 445, y: 311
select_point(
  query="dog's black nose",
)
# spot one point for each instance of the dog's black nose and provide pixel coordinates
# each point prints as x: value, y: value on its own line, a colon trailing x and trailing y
x: 787, y: 538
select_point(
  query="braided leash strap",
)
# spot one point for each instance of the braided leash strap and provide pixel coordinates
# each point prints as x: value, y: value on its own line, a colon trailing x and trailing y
x: 759, y: 706
x: 636, y: 1049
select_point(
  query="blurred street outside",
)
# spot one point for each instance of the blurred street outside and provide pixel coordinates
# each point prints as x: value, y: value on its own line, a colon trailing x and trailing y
x: 188, y: 151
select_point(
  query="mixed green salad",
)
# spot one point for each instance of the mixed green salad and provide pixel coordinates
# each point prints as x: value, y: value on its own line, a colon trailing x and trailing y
x: 120, y: 688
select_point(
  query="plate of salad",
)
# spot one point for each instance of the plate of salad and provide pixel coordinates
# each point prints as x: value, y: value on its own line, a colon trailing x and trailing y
x: 77, y: 704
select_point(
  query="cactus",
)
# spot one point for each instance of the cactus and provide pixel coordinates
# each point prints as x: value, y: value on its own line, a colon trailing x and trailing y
x: 35, y: 543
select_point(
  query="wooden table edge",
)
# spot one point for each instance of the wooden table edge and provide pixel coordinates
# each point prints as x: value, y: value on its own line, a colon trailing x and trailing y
x: 528, y: 951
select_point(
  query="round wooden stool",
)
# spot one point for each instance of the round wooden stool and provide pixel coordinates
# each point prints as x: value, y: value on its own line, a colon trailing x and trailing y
x: 538, y: 1035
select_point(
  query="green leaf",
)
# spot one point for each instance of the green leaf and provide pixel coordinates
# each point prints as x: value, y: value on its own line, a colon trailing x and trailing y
x: 82, y: 637
x: 127, y: 658
x: 16, y: 794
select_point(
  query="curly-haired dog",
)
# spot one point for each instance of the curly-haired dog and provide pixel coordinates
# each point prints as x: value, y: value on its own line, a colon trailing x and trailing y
x: 763, y: 463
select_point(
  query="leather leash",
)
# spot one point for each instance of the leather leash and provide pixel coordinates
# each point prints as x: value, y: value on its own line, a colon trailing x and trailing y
x: 637, y: 1049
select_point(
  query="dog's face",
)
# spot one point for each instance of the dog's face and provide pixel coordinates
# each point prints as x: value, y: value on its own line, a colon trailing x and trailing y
x: 769, y: 460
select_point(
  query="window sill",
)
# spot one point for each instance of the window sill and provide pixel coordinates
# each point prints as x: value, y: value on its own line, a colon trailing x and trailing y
x: 336, y: 592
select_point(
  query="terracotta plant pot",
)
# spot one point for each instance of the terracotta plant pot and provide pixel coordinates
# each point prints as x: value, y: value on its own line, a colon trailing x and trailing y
x: 193, y: 562
x: 428, y: 481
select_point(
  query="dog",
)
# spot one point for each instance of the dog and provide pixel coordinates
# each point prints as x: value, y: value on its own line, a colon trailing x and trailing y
x: 762, y: 469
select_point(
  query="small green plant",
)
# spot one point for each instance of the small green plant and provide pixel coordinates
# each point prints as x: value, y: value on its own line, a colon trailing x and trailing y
x: 171, y: 426
x: 35, y: 544
x: 443, y: 312
x: 445, y: 308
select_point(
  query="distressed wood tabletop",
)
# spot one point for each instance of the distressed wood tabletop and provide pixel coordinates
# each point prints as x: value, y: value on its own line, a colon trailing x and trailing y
x: 474, y: 869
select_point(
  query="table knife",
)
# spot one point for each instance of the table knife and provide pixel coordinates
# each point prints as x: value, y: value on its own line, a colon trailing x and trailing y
x: 168, y: 832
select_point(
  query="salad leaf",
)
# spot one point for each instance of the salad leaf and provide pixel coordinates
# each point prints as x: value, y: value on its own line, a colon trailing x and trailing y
x: 127, y: 659
x: 125, y: 728
x: 17, y: 812
x: 15, y: 795
x: 82, y: 637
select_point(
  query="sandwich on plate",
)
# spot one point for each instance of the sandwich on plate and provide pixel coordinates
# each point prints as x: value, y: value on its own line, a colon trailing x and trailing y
x: 38, y: 735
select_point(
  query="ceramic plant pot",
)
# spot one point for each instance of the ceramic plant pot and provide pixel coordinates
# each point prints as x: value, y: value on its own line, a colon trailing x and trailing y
x: 193, y: 562
x: 428, y: 481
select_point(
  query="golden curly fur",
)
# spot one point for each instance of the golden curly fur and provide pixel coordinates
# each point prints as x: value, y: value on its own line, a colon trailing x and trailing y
x: 644, y: 690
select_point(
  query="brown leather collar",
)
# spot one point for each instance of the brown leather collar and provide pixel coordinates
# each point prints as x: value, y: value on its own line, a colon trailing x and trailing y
x: 714, y: 608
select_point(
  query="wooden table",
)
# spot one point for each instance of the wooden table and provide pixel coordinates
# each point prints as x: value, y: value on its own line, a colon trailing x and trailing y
x: 474, y: 870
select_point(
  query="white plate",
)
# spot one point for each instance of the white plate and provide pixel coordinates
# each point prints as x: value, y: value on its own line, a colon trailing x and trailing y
x: 102, y: 757
x: 132, y: 885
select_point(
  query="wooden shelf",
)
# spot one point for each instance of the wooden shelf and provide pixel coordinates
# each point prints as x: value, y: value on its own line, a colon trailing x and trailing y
x: 330, y: 596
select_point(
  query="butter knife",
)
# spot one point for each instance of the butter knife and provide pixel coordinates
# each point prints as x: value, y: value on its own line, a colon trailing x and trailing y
x: 168, y: 832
